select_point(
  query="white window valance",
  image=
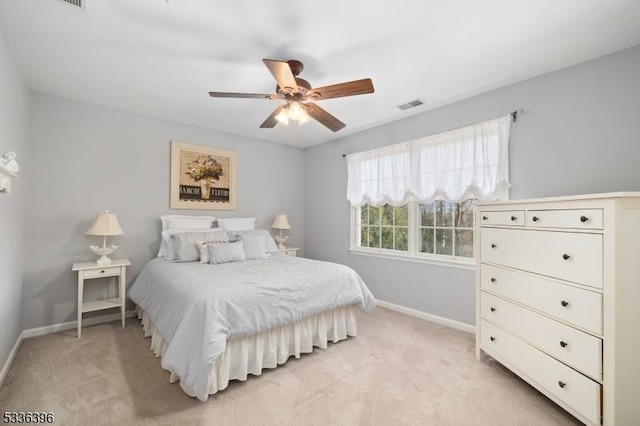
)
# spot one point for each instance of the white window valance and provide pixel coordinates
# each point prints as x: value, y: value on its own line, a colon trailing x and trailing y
x: 469, y: 162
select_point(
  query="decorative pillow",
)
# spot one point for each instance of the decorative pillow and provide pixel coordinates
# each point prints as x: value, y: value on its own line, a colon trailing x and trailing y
x: 268, y: 239
x: 237, y: 223
x: 182, y: 245
x: 226, y: 252
x: 182, y: 222
x: 254, y: 247
x: 204, y: 250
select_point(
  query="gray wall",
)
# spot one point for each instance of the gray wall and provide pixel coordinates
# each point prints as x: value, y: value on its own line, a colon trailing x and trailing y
x: 14, y: 120
x: 580, y: 133
x: 85, y: 159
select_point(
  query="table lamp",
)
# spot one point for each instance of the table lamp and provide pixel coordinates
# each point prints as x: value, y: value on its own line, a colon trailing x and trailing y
x: 281, y: 222
x: 105, y: 224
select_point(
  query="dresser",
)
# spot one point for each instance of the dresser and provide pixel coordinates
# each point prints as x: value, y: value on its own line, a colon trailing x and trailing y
x: 558, y: 299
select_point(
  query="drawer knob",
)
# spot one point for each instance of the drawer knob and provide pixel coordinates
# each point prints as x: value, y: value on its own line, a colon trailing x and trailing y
x: 493, y: 280
x: 564, y: 303
x: 493, y: 339
x: 492, y: 309
x: 562, y: 384
x: 535, y: 218
x: 485, y: 218
x: 563, y: 344
x: 102, y: 272
x: 513, y: 218
x: 584, y: 219
x: 494, y: 246
x: 566, y: 256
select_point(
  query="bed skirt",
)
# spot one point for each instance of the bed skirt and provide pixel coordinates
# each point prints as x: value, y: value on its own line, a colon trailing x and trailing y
x: 268, y: 349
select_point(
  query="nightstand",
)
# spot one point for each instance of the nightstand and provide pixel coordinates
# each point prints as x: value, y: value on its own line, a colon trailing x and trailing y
x: 289, y: 251
x: 89, y: 270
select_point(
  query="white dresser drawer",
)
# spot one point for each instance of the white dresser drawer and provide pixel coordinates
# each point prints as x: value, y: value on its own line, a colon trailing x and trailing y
x: 571, y: 387
x: 568, y: 256
x: 571, y: 346
x: 503, y: 218
x: 103, y: 272
x: 577, y: 306
x: 579, y: 219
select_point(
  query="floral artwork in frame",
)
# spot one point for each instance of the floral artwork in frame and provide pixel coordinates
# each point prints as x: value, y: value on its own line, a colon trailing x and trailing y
x: 202, y: 177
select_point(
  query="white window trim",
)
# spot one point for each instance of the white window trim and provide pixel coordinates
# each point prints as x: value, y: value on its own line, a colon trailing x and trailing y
x: 413, y: 254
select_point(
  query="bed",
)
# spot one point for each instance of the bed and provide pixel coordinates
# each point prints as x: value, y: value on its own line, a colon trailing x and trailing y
x: 215, y: 322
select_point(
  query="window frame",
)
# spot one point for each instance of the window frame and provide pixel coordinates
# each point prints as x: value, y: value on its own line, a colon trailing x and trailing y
x: 413, y: 253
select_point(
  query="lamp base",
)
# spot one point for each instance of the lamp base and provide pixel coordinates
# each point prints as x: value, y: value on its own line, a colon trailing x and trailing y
x: 104, y: 253
x: 280, y: 240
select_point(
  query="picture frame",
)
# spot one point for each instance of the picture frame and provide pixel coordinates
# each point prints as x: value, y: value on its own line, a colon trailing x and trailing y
x: 202, y: 177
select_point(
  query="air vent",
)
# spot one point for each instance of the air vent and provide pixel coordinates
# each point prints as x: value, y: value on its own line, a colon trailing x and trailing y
x: 411, y: 104
x: 80, y: 4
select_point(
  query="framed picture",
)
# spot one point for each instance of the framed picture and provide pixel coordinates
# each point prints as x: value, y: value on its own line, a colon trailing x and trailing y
x: 202, y: 177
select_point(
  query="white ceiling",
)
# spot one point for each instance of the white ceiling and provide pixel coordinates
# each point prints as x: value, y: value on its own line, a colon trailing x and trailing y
x: 161, y: 57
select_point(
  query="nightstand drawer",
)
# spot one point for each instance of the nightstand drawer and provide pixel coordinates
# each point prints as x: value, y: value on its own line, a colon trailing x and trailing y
x: 102, y: 272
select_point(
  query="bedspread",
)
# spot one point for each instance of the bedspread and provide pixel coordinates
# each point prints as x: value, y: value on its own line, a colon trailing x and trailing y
x: 198, y: 307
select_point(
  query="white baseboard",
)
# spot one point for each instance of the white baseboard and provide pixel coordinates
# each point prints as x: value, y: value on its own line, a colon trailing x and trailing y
x: 428, y: 317
x: 12, y: 355
x: 49, y: 329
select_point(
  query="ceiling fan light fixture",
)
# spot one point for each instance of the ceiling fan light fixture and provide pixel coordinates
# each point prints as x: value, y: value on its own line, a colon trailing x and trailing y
x: 296, y: 112
x: 283, y: 116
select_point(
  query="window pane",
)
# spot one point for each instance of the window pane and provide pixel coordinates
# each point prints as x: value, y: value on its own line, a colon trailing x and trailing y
x: 444, y: 214
x: 444, y: 241
x: 402, y: 239
x: 426, y: 240
x: 426, y: 214
x: 387, y: 215
x: 402, y: 215
x: 364, y: 214
x: 364, y: 236
x: 464, y: 214
x: 387, y: 237
x: 464, y: 243
x: 374, y: 215
x: 374, y: 237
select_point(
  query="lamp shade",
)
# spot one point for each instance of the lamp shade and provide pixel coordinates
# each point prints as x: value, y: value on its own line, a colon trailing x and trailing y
x: 281, y: 222
x: 105, y: 224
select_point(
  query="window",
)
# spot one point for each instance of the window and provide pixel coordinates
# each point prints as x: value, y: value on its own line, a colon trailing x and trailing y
x: 415, y: 199
x: 439, y: 231
x: 447, y: 228
x: 384, y: 227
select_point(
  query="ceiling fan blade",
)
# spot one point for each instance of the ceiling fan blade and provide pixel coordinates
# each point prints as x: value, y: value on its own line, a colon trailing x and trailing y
x: 351, y: 88
x: 281, y: 71
x: 243, y: 95
x: 271, y: 121
x: 323, y: 117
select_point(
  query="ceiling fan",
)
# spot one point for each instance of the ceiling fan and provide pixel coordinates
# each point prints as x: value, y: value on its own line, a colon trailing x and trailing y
x: 298, y: 93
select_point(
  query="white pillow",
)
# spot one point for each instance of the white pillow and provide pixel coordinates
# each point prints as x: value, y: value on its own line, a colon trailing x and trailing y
x: 185, y: 244
x: 237, y: 223
x: 204, y: 250
x: 196, y: 235
x: 268, y: 239
x: 255, y: 246
x: 226, y: 252
x: 182, y: 222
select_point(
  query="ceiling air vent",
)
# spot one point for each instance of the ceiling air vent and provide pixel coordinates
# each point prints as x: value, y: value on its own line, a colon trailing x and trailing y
x: 411, y: 104
x: 80, y: 4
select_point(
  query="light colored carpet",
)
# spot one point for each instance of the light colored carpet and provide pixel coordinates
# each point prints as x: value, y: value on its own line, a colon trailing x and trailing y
x: 398, y: 371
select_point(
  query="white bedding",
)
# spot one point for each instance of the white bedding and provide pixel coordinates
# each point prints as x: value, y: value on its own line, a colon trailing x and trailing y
x: 198, y: 307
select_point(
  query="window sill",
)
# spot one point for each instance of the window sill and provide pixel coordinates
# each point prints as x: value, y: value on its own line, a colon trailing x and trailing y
x: 447, y: 262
